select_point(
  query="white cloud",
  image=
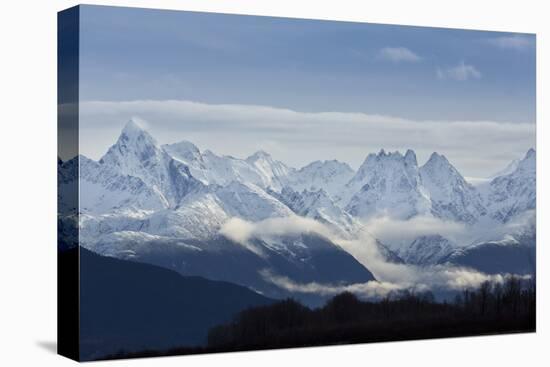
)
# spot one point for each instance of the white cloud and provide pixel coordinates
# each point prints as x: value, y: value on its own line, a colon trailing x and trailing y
x: 242, y: 231
x: 389, y: 276
x: 441, y: 277
x: 371, y: 289
x: 398, y: 54
x: 515, y: 42
x: 298, y: 138
x: 405, y: 276
x: 390, y: 230
x: 461, y: 72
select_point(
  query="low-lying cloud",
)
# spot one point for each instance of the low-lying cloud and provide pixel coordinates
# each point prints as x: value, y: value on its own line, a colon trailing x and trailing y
x: 445, y: 277
x: 398, y: 231
x: 371, y: 289
x: 390, y: 277
x: 242, y: 231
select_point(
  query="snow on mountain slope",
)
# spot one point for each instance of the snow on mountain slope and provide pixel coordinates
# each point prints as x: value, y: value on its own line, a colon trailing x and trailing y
x: 137, y: 154
x: 141, y: 199
x: 225, y: 169
x: 427, y: 250
x: 451, y: 196
x: 259, y: 169
x: 103, y: 189
x: 249, y: 202
x: 387, y: 184
x: 510, y: 167
x: 187, y: 153
x: 514, y: 193
x: 330, y: 176
x: 319, y: 205
x: 274, y: 173
x: 200, y: 214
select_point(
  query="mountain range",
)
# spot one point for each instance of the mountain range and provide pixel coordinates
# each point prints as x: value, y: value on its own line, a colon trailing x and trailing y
x: 235, y: 219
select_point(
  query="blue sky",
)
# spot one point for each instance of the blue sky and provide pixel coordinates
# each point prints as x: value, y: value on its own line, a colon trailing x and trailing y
x: 307, y: 66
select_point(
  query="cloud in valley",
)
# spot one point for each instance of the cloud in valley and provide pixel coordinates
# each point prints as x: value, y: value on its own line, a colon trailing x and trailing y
x: 240, y: 230
x: 390, y: 230
x: 390, y: 277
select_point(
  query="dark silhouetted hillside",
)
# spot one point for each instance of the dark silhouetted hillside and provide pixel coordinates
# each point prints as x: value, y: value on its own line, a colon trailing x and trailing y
x: 127, y: 306
x: 346, y: 319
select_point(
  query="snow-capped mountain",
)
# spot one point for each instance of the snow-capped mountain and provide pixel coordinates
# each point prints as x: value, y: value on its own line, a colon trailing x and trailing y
x: 167, y: 205
x: 274, y: 173
x: 450, y: 195
x: 319, y: 205
x: 427, y: 250
x: 137, y: 154
x: 249, y: 202
x: 259, y: 169
x: 387, y: 184
x: 210, y: 168
x: 107, y: 190
x: 514, y: 193
x: 329, y: 176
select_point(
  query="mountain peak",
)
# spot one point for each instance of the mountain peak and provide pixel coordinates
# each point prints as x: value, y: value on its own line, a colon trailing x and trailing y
x: 410, y: 157
x: 435, y: 157
x: 132, y: 127
x: 528, y: 163
x: 260, y: 154
x: 531, y: 153
x: 385, y: 154
x: 184, y: 151
x: 133, y: 133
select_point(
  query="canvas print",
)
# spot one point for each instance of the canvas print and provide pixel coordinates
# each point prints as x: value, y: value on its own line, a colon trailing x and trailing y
x: 233, y: 182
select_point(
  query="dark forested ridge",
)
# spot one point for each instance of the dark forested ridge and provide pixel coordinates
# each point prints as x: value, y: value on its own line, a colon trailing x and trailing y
x: 345, y: 319
x: 132, y: 306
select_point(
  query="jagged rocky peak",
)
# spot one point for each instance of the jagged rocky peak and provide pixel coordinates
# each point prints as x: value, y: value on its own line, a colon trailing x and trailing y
x: 330, y: 176
x: 133, y: 130
x: 273, y: 173
x: 327, y: 165
x: 437, y: 159
x: 184, y: 151
x: 439, y: 169
x: 133, y: 140
x: 438, y: 166
x: 410, y: 157
x: 387, y: 183
x: 260, y: 154
x: 529, y: 162
x: 514, y: 193
x: 374, y: 161
x: 452, y: 197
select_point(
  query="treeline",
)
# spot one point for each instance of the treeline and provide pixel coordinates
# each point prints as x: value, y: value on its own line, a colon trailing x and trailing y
x: 345, y: 319
x: 492, y: 308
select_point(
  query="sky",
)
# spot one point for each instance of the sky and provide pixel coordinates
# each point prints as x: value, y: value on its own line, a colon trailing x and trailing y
x: 306, y: 89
